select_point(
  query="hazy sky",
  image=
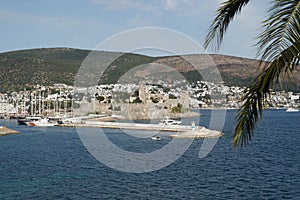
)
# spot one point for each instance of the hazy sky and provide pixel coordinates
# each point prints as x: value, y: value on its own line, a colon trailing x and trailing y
x: 85, y: 23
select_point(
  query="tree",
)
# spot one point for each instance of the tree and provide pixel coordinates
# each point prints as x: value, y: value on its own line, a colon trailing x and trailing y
x: 278, y: 44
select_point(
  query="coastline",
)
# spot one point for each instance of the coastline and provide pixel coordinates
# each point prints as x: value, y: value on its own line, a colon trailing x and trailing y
x: 6, y: 131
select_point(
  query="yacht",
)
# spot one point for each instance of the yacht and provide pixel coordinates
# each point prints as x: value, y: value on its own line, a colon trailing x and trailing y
x: 169, y: 121
x: 292, y: 110
x: 23, y: 121
x: 156, y: 138
x: 42, y: 122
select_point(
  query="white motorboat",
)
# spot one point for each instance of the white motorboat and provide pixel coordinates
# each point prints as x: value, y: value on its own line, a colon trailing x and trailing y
x: 42, y: 122
x: 292, y: 110
x: 156, y: 138
x: 23, y: 121
x: 169, y: 121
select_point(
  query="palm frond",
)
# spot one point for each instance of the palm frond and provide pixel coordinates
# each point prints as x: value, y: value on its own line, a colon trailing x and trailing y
x: 279, y: 43
x: 280, y: 30
x: 251, y: 111
x: 224, y: 15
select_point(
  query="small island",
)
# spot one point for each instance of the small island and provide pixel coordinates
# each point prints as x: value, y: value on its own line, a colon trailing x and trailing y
x: 6, y: 131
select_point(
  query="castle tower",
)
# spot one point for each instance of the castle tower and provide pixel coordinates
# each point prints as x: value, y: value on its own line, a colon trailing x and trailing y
x: 185, y: 100
x: 144, y: 93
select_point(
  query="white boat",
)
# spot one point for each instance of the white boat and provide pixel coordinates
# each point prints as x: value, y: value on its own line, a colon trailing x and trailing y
x: 156, y: 138
x: 72, y: 120
x: 23, y: 121
x: 292, y: 110
x: 42, y: 122
x: 169, y: 121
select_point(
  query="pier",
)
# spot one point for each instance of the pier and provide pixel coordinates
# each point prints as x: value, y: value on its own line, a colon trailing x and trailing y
x: 184, y: 131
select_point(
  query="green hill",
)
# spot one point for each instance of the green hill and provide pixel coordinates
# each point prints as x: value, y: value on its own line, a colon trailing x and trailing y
x: 39, y: 66
x: 47, y: 66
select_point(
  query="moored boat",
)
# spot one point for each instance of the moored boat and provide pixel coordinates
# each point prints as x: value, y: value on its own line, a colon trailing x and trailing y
x: 292, y: 110
x: 156, y: 138
x: 169, y: 121
x: 23, y: 121
x: 42, y: 122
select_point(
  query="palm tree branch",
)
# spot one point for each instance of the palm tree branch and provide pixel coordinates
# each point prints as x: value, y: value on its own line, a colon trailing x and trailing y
x: 253, y: 102
x: 280, y: 29
x: 279, y: 44
x: 224, y: 15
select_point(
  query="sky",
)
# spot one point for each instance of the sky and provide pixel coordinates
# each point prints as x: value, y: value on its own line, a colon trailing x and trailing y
x: 84, y: 24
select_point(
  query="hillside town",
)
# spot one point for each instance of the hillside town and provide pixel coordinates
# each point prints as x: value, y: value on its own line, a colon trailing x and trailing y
x: 142, y: 101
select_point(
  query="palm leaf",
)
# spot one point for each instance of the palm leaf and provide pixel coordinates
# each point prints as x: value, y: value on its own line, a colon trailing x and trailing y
x: 281, y: 29
x: 280, y: 44
x: 225, y: 14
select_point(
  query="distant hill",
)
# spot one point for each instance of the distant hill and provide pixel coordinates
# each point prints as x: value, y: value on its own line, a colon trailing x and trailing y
x: 47, y: 66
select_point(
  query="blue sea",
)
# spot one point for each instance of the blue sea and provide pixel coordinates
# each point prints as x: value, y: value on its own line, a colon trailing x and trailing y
x: 52, y: 163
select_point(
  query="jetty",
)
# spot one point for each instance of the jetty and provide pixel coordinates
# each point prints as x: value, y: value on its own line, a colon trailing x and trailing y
x: 184, y: 131
x: 199, y: 132
x: 6, y: 131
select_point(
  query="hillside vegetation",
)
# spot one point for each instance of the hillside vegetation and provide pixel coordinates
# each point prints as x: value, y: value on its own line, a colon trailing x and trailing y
x: 47, y: 66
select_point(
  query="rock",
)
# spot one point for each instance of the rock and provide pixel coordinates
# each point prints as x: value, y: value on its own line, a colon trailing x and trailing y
x: 6, y: 131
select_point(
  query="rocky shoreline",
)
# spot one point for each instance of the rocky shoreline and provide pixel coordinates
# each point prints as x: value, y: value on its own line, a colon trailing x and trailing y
x: 6, y: 131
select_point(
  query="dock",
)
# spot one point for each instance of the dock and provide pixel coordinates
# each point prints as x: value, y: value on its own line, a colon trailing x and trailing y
x: 184, y: 131
x: 6, y: 131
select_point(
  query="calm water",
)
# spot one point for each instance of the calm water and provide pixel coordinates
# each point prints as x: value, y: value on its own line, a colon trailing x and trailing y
x: 52, y: 163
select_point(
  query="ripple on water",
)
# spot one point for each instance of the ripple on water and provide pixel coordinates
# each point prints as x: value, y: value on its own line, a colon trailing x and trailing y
x: 52, y: 163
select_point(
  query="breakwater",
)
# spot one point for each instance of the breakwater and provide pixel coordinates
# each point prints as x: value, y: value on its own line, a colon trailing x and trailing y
x: 183, y: 131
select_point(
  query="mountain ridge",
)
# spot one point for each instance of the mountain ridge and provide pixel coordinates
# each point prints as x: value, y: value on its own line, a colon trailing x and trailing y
x: 46, y: 66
